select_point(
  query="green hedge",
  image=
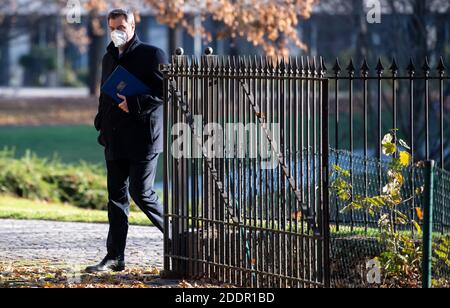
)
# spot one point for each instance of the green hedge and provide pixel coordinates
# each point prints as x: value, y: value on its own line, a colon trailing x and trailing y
x: 32, y: 177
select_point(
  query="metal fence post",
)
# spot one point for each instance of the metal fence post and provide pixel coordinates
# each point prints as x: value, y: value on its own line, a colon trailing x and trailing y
x: 165, y: 70
x: 325, y: 186
x: 428, y: 224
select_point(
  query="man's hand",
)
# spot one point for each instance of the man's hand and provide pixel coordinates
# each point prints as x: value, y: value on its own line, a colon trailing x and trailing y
x: 124, y: 104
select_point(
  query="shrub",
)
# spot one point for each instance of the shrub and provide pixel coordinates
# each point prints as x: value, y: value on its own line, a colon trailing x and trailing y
x: 31, y: 177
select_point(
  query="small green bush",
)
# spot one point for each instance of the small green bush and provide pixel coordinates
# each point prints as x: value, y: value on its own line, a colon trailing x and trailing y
x: 31, y: 177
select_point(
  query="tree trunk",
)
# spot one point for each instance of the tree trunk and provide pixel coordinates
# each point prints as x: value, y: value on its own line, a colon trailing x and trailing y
x: 95, y: 54
x: 360, y: 24
x: 4, y: 53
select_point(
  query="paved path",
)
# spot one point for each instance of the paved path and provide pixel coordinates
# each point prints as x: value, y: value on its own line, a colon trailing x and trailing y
x: 75, y: 243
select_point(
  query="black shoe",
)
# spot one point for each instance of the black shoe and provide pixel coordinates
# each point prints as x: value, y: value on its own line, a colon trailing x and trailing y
x: 107, y: 265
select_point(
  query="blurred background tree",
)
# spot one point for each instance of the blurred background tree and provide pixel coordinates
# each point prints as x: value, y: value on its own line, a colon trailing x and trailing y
x: 272, y: 25
x: 327, y: 28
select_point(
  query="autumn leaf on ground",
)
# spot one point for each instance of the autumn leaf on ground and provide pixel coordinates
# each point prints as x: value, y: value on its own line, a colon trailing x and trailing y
x: 186, y: 285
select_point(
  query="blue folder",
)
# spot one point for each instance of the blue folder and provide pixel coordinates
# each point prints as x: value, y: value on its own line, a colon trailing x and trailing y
x: 123, y: 82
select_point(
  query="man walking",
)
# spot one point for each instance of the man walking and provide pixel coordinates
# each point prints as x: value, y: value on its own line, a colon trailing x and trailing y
x: 132, y: 134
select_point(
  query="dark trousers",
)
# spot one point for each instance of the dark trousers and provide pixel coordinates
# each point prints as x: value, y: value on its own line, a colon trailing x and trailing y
x: 136, y: 179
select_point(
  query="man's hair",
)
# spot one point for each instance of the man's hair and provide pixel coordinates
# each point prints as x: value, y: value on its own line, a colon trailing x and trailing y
x: 127, y: 13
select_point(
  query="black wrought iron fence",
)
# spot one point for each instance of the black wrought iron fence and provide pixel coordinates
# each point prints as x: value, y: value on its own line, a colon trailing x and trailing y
x: 249, y: 201
x: 366, y: 103
x: 246, y: 196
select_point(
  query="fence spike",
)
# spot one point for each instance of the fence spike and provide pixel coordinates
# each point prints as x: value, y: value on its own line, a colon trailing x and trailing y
x: 191, y: 64
x: 240, y: 64
x: 380, y: 67
x: 270, y: 63
x: 227, y: 63
x: 195, y: 64
x: 411, y: 67
x: 426, y: 67
x: 296, y: 66
x: 441, y: 66
x: 394, y: 66
x: 216, y: 64
x: 221, y: 64
x: 179, y: 62
x: 365, y: 68
x: 337, y: 67
x: 255, y: 64
x: 262, y: 64
x: 308, y: 66
x: 249, y: 64
x: 185, y: 63
x: 324, y: 68
x: 290, y: 65
x: 277, y: 64
x: 282, y: 65
x: 302, y: 66
x: 314, y: 66
x: 351, y: 68
x: 233, y: 64
x: 247, y: 61
x: 204, y: 64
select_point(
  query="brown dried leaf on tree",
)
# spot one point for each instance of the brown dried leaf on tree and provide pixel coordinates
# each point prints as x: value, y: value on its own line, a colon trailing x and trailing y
x: 269, y: 24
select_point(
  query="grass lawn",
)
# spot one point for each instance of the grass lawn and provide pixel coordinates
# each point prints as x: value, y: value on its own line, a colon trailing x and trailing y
x: 15, y: 208
x: 71, y: 143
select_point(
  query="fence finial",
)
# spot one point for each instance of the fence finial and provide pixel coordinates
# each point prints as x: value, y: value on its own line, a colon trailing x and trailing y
x: 289, y: 64
x: 365, y: 68
x: 282, y: 66
x: 216, y: 64
x: 314, y: 66
x: 411, y: 67
x: 426, y: 67
x: 295, y: 66
x: 351, y: 68
x: 228, y: 64
x: 323, y: 67
x: 302, y: 66
x: 262, y: 64
x: 179, y: 51
x: 233, y: 63
x: 441, y: 67
x: 209, y: 51
x: 337, y: 67
x: 308, y: 66
x: 380, y: 67
x: 254, y: 63
x: 394, y: 66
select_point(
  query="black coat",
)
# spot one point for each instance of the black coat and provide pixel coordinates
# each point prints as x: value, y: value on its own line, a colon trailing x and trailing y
x: 139, y: 134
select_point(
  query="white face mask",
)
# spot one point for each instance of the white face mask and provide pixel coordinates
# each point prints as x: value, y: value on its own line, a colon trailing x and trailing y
x: 119, y: 38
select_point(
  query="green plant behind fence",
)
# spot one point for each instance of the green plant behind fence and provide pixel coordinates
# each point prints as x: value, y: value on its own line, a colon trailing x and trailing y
x: 381, y: 208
